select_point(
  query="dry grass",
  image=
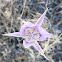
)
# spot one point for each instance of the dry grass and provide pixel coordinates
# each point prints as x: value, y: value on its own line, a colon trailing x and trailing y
x: 12, y: 13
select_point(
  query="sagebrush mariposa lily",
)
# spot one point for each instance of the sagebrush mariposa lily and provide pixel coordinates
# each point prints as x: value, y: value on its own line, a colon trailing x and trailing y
x: 32, y: 33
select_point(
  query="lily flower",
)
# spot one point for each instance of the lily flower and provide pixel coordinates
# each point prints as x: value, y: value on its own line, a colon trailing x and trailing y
x: 33, y: 33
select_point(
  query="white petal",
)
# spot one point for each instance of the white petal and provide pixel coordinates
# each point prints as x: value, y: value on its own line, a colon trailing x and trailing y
x: 15, y: 34
x: 37, y: 46
x: 40, y: 20
x: 27, y: 44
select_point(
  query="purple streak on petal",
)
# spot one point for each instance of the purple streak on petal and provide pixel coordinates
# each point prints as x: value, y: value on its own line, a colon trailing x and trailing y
x: 43, y: 34
x: 37, y: 46
x: 40, y: 20
x: 15, y: 34
x: 26, y: 44
x: 41, y: 38
x: 26, y: 24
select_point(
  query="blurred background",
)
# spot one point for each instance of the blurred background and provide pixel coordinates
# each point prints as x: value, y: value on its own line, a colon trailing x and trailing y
x: 13, y: 12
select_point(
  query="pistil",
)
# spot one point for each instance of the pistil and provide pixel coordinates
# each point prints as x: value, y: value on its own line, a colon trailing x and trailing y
x: 31, y: 34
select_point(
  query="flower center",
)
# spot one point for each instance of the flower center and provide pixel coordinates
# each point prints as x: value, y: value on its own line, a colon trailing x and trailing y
x: 31, y: 34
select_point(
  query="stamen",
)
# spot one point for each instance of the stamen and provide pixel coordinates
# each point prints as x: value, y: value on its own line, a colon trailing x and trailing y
x: 31, y: 34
